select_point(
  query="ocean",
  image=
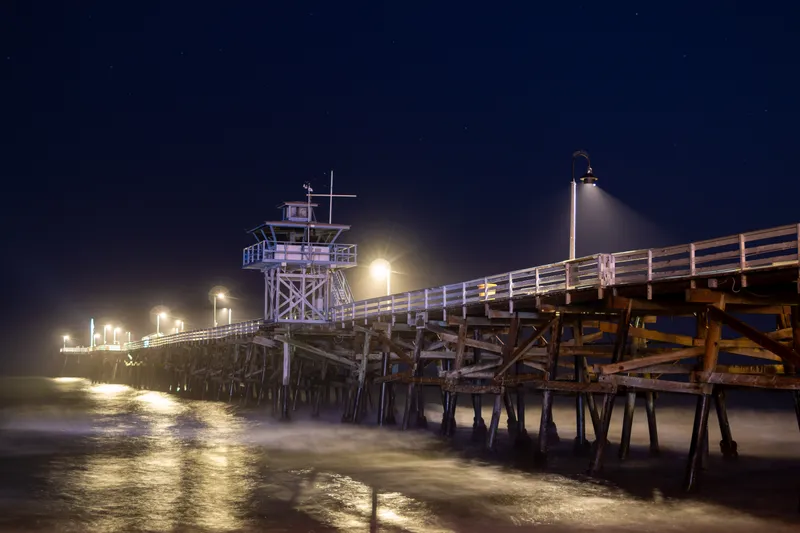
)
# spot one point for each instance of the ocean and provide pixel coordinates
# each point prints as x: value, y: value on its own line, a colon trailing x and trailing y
x: 83, y: 457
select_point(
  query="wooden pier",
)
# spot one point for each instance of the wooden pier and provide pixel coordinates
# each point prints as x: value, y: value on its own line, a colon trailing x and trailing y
x: 588, y: 327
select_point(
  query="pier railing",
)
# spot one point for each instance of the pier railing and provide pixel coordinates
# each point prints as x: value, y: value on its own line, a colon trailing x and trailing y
x: 736, y: 254
x: 87, y: 349
x: 282, y: 252
x: 201, y: 335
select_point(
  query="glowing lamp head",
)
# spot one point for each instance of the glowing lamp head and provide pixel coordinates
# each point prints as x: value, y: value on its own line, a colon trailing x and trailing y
x: 380, y: 269
x: 66, y: 337
x: 589, y: 178
x: 108, y: 326
x: 221, y: 295
x: 162, y: 315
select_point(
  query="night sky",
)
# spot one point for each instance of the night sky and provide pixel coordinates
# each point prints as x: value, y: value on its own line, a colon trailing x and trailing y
x: 140, y: 142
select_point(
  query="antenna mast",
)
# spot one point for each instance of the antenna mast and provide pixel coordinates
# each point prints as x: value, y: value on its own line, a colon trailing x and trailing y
x: 331, y: 196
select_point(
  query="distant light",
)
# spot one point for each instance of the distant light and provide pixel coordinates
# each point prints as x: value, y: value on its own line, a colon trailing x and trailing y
x: 66, y: 337
x: 108, y: 326
x: 96, y: 335
x: 117, y: 330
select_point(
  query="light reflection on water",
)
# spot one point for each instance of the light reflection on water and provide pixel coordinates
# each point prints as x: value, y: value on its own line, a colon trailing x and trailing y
x: 119, y: 459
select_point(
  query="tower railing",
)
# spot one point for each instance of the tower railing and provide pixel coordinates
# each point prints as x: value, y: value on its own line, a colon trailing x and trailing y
x: 282, y: 252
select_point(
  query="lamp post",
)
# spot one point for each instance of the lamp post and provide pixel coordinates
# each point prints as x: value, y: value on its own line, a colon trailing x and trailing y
x: 589, y: 179
x: 221, y: 296
x: 66, y: 338
x: 116, y: 330
x: 230, y: 313
x: 178, y: 326
x: 105, y: 328
x: 128, y: 333
x: 159, y: 316
x: 380, y: 269
x: 581, y: 445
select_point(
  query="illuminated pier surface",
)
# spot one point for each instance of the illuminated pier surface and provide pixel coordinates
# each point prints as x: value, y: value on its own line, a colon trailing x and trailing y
x: 587, y: 327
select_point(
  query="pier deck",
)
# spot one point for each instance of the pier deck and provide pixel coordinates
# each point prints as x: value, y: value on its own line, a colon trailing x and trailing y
x: 586, y: 327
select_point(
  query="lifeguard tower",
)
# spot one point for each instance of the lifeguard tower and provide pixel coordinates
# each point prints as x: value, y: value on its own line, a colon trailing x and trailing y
x: 302, y: 264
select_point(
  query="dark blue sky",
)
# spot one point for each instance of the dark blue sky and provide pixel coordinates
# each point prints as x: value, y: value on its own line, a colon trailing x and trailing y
x: 139, y: 142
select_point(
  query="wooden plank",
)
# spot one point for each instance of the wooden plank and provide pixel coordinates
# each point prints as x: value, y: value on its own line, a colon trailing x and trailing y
x: 449, y: 336
x: 649, y: 334
x: 756, y: 353
x: 654, y: 384
x: 652, y: 307
x: 750, y: 380
x: 710, y: 296
x: 467, y: 371
x: 461, y: 346
x: 632, y: 364
x: 467, y: 388
x: 767, y: 370
x: 665, y: 369
x: 264, y: 341
x: 536, y: 382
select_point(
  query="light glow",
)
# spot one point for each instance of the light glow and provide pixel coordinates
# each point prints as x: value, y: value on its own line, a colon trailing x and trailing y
x: 380, y: 269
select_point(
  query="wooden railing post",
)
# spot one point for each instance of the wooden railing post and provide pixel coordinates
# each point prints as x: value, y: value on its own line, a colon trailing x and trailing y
x: 510, y: 293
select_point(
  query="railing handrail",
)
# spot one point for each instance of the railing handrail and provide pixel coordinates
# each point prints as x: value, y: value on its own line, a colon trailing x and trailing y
x: 597, y: 270
x: 199, y: 335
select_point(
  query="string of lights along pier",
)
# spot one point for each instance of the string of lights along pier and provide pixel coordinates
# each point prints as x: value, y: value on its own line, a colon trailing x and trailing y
x: 586, y: 327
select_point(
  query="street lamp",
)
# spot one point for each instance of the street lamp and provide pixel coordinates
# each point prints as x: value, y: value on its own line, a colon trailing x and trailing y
x: 128, y: 333
x: 178, y: 326
x: 221, y: 296
x: 66, y: 338
x: 380, y: 269
x: 159, y: 316
x: 116, y: 330
x: 589, y: 179
x: 106, y: 328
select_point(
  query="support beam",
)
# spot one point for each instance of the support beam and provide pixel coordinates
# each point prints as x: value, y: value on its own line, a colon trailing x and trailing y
x: 515, y: 356
x: 786, y: 353
x: 642, y: 362
x: 315, y: 350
